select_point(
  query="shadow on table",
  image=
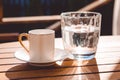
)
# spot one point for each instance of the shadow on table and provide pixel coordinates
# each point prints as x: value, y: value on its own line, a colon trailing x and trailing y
x: 68, y: 70
x: 116, y: 71
x: 29, y: 72
x: 80, y: 70
x: 87, y: 70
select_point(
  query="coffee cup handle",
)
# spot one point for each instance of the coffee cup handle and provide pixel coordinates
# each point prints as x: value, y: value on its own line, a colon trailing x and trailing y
x: 20, y: 40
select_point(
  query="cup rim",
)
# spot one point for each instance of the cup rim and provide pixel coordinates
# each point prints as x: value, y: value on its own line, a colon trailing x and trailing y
x: 41, y: 31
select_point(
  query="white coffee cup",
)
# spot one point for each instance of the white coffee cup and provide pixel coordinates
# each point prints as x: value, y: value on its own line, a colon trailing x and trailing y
x: 41, y: 45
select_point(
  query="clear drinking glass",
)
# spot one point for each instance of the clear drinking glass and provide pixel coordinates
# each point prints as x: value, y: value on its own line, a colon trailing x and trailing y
x: 80, y: 33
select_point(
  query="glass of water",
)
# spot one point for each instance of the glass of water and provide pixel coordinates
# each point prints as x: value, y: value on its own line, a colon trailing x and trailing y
x: 80, y: 33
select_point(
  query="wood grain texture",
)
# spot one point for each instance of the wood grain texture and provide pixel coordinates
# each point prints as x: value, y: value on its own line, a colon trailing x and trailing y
x: 106, y: 65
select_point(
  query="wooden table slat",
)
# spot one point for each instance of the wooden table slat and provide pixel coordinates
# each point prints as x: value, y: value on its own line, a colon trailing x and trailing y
x: 43, y: 73
x: 105, y: 65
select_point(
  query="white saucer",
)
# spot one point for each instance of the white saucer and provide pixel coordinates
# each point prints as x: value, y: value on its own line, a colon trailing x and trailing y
x: 23, y: 55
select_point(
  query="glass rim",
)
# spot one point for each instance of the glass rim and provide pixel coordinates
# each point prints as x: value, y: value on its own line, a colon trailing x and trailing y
x: 64, y: 14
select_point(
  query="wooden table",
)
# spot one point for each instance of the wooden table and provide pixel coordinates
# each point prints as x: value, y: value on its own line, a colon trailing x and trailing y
x: 106, y: 65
